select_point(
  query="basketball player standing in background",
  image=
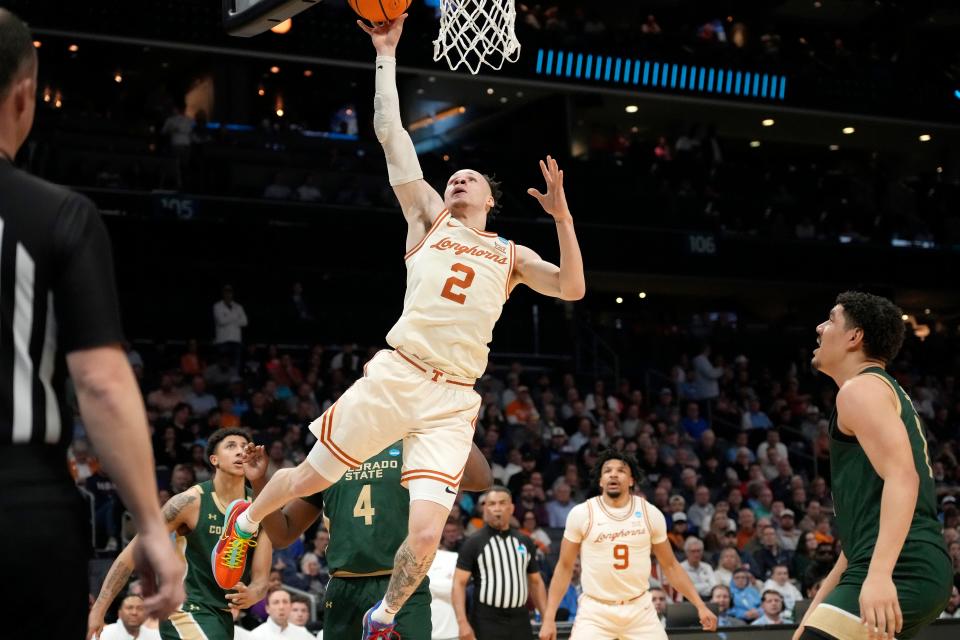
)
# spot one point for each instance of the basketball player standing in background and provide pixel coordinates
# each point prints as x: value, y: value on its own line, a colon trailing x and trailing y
x: 614, y: 534
x: 57, y: 296
x: 458, y: 278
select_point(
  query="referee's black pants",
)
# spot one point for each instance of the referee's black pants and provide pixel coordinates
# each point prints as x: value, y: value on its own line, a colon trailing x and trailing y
x: 45, y: 545
x: 492, y: 623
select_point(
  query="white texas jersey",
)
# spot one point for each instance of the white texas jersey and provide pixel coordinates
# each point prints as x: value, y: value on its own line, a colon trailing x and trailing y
x: 615, y: 546
x: 457, y: 281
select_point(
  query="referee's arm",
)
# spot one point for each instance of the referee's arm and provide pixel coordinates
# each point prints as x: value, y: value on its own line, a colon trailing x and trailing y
x: 110, y: 402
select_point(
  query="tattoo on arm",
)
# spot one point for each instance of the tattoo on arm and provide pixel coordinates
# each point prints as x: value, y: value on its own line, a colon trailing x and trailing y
x: 408, y: 573
x: 176, y: 504
x: 114, y: 583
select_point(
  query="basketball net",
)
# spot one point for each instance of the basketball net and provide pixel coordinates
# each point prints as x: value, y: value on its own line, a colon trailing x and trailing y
x: 477, y: 32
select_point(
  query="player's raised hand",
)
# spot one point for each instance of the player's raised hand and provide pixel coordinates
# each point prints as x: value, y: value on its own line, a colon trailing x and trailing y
x: 554, y: 201
x: 385, y: 35
x: 708, y: 619
x: 254, y: 461
x: 161, y: 572
x: 548, y: 630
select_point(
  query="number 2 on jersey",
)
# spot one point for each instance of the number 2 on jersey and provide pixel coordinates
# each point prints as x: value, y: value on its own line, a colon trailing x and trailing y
x: 461, y: 283
x: 621, y: 553
x: 364, y: 507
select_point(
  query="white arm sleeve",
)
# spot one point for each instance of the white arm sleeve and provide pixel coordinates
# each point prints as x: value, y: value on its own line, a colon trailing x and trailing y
x: 402, y: 163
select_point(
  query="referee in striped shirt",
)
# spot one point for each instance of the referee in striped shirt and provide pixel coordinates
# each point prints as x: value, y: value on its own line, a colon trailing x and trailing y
x: 59, y: 315
x: 505, y: 571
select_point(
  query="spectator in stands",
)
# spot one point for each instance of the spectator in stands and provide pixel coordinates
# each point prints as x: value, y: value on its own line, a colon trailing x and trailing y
x: 823, y: 562
x: 131, y: 617
x: 310, y: 191
x: 299, y: 611
x: 659, y: 598
x: 701, y: 511
x: 728, y: 561
x: 229, y: 320
x: 705, y: 375
x: 772, y: 604
x: 700, y: 572
x: 200, y: 400
x: 277, y: 625
x: 514, y: 464
x: 166, y: 398
x: 746, y: 599
x: 788, y: 534
x: 754, y: 417
x: 678, y: 531
x: 720, y: 596
x: 746, y: 521
x: 823, y: 530
x: 693, y: 423
x: 771, y: 553
x: 952, y: 609
x: 560, y: 507
x: 811, y: 514
x: 530, y: 527
x: 528, y: 500
x: 583, y: 434
x: 528, y: 463
x: 772, y: 442
x: 763, y: 502
x: 780, y: 582
x: 181, y: 479
x: 567, y: 611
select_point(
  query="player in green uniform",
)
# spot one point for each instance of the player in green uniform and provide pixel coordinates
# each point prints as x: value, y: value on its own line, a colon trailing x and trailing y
x: 196, y: 516
x: 893, y: 575
x: 367, y: 511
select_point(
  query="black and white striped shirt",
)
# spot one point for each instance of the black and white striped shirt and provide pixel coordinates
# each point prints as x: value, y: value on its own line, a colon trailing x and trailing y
x: 499, y: 562
x: 57, y: 295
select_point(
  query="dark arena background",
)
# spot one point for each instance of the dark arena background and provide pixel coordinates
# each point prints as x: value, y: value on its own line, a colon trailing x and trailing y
x: 730, y: 166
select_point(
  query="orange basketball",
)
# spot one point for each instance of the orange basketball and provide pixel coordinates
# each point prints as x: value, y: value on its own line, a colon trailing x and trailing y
x: 379, y: 10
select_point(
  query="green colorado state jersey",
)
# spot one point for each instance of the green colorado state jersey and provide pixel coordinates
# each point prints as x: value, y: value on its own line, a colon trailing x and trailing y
x: 857, y: 490
x: 368, y: 511
x: 196, y: 547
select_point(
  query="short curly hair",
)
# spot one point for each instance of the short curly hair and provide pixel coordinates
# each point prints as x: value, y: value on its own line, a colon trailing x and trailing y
x: 613, y: 454
x: 219, y: 436
x: 880, y: 320
x: 496, y: 189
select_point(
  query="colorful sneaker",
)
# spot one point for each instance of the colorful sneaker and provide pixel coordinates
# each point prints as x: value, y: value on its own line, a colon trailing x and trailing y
x: 373, y: 630
x: 229, y: 558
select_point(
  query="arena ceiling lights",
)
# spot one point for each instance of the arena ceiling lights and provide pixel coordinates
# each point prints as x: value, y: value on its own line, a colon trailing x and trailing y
x: 630, y: 72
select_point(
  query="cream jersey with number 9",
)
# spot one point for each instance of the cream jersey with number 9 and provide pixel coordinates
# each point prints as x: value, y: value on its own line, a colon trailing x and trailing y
x: 458, y: 279
x: 615, y: 546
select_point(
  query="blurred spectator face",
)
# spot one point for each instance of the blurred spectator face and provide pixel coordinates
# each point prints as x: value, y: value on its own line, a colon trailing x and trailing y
x: 536, y: 479
x: 720, y: 596
x: 561, y: 493
x: 823, y: 525
x: 258, y: 400
x: 741, y: 579
x: 694, y: 553
x: 693, y: 411
x: 275, y: 580
x: 689, y: 478
x: 181, y: 479
x: 799, y: 496
x: 729, y: 559
x: 660, y: 496
x: 199, y: 385
x: 772, y: 604
x: 677, y: 504
x: 321, y: 541
x: 780, y: 575
x: 954, y: 603
x: 497, y: 510
x: 746, y: 519
x: 769, y: 538
x: 278, y: 607
x: 452, y: 534
x: 766, y: 497
x: 825, y: 553
x: 276, y: 451
x: 659, y: 601
x: 743, y: 457
x: 708, y: 439
x: 132, y: 613
x: 527, y: 492
x: 787, y: 522
x: 577, y: 568
x: 299, y: 613
x: 813, y: 509
x: 811, y: 541
x: 529, y: 521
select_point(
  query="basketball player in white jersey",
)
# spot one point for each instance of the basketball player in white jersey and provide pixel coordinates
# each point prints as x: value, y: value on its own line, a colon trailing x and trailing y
x: 458, y: 277
x: 614, y: 533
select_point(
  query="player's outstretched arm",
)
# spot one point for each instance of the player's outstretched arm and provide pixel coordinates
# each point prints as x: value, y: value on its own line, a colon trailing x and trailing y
x: 567, y: 281
x: 677, y: 577
x: 419, y: 201
x: 868, y: 407
x: 558, y: 588
x: 179, y: 513
x: 477, y: 475
x: 283, y: 527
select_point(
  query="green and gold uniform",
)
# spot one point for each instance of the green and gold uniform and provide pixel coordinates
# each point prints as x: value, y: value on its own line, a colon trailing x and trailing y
x: 205, y: 614
x: 368, y: 511
x: 923, y: 573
